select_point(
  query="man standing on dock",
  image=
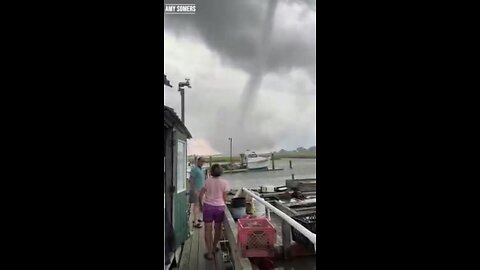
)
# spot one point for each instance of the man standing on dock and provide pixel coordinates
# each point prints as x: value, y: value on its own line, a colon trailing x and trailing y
x: 197, y: 180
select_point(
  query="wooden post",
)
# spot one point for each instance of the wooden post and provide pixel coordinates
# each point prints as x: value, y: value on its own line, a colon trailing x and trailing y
x: 273, y: 162
x: 286, y: 238
x: 293, y: 176
x: 241, y: 160
x: 231, y: 158
x: 210, y: 161
x: 267, y: 213
x: 290, y: 164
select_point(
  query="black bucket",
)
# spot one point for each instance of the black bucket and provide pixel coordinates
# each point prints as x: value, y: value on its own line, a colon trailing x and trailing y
x: 238, y: 202
x: 238, y: 209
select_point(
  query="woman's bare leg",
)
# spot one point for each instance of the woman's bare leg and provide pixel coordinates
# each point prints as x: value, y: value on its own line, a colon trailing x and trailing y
x: 208, y: 238
x: 218, y: 232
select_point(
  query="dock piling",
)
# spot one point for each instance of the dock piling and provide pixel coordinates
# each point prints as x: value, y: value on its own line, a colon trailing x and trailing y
x: 273, y: 162
x: 293, y: 176
x: 290, y: 164
x: 286, y: 238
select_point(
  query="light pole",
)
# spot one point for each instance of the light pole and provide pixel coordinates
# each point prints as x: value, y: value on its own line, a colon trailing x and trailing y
x: 230, y: 139
x: 182, y: 94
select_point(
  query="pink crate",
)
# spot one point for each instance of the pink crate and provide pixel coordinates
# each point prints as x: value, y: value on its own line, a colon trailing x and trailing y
x: 256, y: 237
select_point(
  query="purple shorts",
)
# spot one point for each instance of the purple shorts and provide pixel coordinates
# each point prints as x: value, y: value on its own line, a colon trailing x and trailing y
x: 213, y: 213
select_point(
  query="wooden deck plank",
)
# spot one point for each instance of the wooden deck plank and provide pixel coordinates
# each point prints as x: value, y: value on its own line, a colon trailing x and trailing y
x: 219, y: 265
x: 185, y: 257
x: 202, y: 262
x: 185, y: 254
x: 194, y: 249
x: 193, y: 260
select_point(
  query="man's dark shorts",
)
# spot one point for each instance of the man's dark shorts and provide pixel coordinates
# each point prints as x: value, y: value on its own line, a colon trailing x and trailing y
x: 193, y: 197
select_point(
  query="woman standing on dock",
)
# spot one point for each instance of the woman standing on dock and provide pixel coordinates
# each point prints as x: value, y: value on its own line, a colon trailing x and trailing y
x: 215, y: 190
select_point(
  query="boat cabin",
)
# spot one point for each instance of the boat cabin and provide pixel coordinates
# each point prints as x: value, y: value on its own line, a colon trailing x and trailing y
x: 250, y: 154
x: 175, y: 180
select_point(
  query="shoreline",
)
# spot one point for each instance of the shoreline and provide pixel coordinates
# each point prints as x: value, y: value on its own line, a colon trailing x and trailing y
x: 237, y: 159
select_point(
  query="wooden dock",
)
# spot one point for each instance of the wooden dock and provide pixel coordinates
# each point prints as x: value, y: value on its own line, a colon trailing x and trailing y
x: 247, y: 170
x: 193, y: 250
x: 288, y: 253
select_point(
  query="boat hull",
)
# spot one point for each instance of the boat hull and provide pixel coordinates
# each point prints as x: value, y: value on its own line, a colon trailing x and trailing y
x: 258, y: 165
x: 254, y: 161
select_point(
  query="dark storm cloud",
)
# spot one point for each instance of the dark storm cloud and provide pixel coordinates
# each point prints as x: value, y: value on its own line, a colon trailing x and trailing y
x: 233, y: 29
x: 253, y: 36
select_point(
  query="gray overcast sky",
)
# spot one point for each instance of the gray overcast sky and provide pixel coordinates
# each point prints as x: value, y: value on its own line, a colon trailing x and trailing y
x: 252, y: 67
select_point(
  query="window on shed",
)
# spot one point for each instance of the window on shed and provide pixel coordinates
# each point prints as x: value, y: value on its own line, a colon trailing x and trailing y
x: 181, y: 166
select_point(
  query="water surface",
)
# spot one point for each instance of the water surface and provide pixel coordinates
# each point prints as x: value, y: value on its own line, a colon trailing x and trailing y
x: 301, y: 168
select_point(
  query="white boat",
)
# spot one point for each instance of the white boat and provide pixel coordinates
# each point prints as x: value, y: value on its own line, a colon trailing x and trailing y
x: 254, y: 161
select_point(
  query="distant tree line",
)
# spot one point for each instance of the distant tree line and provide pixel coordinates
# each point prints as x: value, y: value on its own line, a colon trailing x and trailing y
x: 300, y: 152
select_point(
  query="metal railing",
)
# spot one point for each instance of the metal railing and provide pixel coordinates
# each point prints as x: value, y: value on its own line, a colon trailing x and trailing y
x: 299, y: 227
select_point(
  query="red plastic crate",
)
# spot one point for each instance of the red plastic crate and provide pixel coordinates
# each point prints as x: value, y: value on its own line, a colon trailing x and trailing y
x: 256, y: 237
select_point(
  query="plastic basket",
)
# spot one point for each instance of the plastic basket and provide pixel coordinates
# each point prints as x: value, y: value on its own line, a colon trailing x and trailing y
x: 256, y: 237
x: 309, y: 221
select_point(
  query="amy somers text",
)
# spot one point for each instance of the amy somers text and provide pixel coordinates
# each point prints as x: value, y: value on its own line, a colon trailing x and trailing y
x: 179, y: 9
